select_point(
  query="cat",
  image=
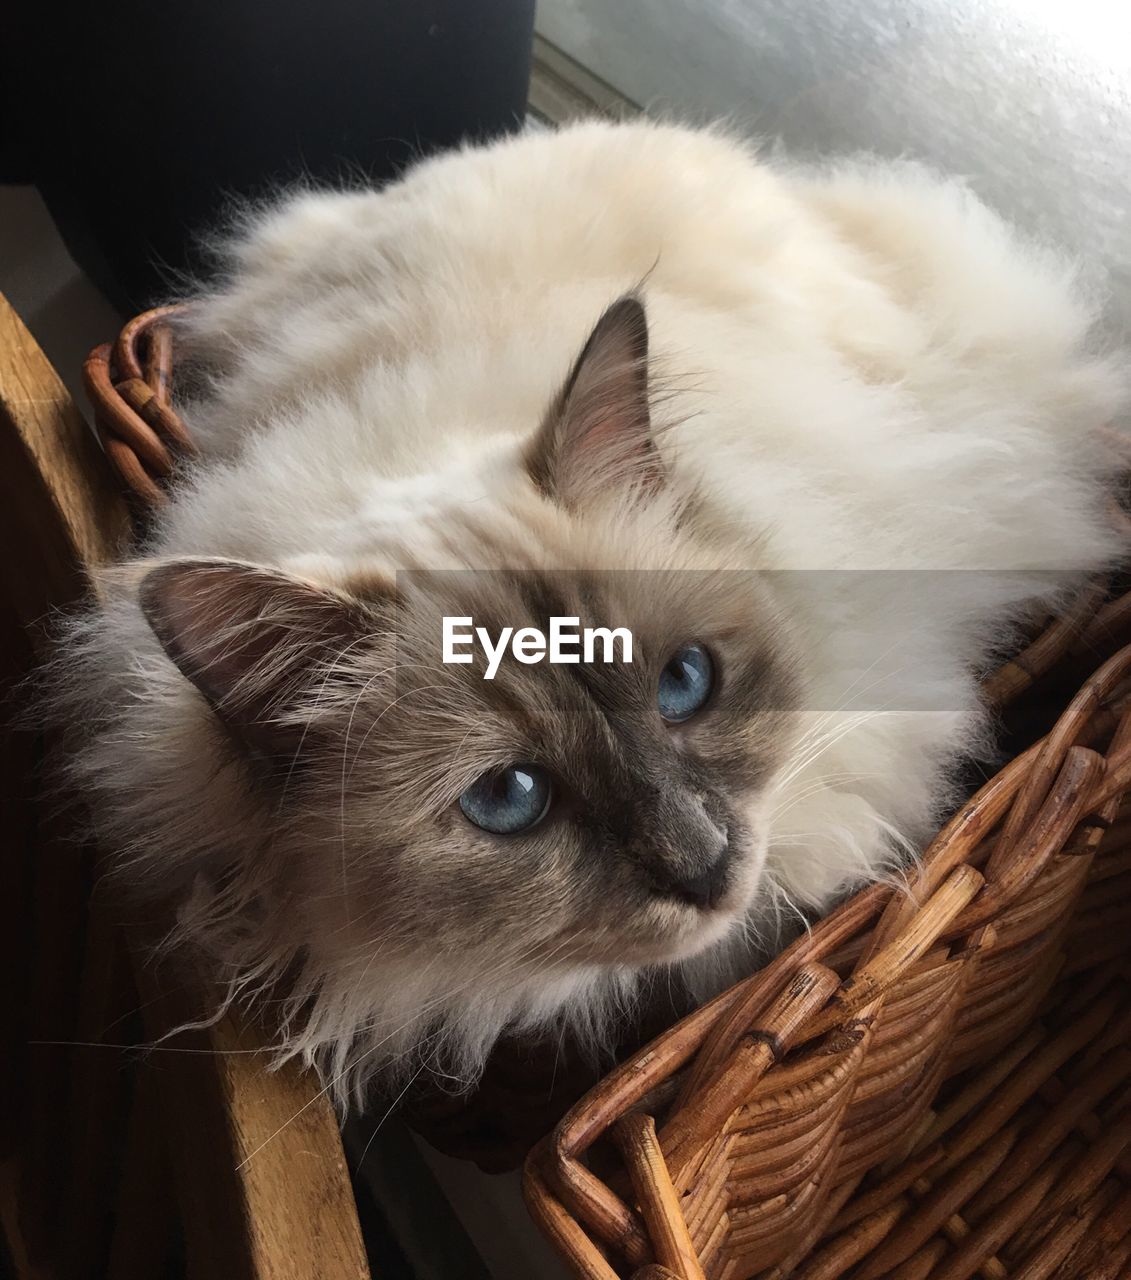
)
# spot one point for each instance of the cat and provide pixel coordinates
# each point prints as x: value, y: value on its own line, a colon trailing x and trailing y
x: 820, y: 437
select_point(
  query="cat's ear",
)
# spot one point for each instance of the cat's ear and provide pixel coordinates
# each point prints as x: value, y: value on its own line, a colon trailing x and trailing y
x: 597, y: 434
x: 251, y: 640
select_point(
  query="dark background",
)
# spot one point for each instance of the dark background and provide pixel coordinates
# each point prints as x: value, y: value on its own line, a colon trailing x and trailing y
x: 139, y: 121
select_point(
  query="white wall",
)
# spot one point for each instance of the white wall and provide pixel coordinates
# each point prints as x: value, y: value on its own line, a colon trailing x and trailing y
x: 1029, y: 98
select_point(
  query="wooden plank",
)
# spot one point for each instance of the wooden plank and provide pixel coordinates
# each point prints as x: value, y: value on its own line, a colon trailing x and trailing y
x: 58, y: 487
x: 264, y: 1190
x: 59, y: 512
x: 17, y: 816
x: 258, y: 1155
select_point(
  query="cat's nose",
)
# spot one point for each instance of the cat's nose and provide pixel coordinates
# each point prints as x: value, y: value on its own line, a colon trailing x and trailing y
x: 704, y: 889
x: 683, y: 849
x: 702, y: 886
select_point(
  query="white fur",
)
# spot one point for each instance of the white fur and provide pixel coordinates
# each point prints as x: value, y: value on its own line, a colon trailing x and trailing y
x: 865, y: 367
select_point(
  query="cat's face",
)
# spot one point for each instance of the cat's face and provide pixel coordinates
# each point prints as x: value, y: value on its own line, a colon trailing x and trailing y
x: 609, y: 813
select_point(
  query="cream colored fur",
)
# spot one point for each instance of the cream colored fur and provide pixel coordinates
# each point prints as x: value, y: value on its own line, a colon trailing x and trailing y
x: 863, y: 369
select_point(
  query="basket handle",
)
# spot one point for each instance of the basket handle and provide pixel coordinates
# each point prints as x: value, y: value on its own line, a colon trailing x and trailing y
x: 129, y: 383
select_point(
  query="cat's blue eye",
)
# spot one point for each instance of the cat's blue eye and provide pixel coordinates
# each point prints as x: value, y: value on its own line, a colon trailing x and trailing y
x: 685, y: 683
x: 511, y: 800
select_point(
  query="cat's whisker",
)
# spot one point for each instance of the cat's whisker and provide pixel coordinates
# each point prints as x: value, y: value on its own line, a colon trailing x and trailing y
x: 345, y: 776
x: 297, y: 754
x: 377, y: 720
x: 815, y: 787
x: 815, y: 734
x: 369, y: 1051
x: 826, y: 742
x: 847, y: 702
x: 388, y: 1112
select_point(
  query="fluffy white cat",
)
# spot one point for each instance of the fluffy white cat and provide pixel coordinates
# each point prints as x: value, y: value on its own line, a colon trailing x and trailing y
x: 821, y: 435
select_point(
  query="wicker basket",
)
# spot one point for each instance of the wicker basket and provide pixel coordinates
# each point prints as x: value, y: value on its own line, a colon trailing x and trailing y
x: 934, y: 1084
